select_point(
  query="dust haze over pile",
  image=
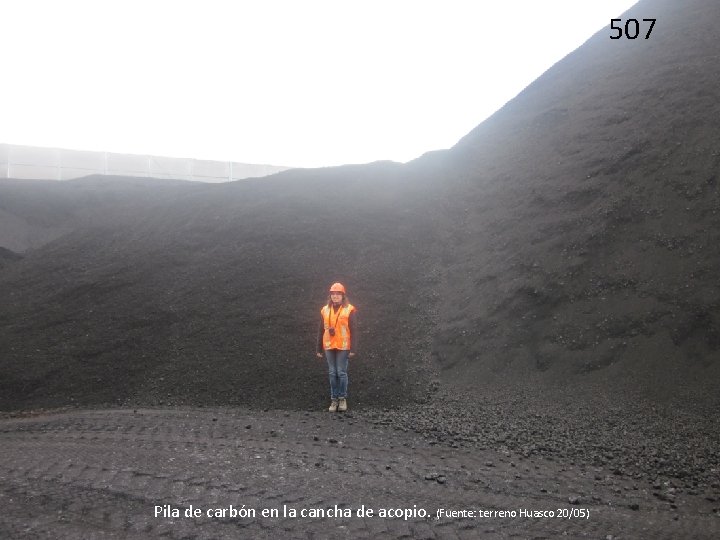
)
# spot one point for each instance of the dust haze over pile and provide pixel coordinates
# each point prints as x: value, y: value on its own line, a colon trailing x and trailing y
x: 570, y: 241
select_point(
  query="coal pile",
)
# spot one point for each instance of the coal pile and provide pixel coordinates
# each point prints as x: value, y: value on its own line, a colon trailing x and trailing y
x: 549, y: 282
x: 198, y: 294
x: 584, y: 231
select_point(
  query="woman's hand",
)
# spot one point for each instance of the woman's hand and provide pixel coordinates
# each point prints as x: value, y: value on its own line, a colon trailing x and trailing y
x: 319, y: 355
x: 351, y: 354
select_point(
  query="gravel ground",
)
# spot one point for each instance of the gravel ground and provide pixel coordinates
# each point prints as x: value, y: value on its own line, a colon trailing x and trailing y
x: 652, y: 443
x: 122, y: 473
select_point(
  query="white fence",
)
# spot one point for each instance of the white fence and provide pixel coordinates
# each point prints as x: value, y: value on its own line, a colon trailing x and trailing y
x: 30, y: 162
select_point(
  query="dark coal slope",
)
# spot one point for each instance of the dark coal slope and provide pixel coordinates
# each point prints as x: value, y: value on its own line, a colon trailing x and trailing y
x: 586, y: 235
x: 571, y: 241
x: 33, y: 213
x: 213, y: 295
x: 7, y: 256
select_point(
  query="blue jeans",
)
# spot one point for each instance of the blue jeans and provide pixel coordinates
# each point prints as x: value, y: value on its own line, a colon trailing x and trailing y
x: 337, y: 361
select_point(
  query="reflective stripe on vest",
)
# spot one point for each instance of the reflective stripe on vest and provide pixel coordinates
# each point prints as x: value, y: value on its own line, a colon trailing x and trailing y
x: 340, y: 320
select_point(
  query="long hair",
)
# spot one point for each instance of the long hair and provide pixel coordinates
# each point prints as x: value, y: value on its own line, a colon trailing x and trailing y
x: 344, y: 302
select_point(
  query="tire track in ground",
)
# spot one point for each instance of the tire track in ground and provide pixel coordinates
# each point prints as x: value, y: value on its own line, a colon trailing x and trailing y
x: 89, y: 474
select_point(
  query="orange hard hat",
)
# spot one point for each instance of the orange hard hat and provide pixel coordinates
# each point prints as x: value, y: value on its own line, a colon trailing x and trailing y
x: 337, y: 287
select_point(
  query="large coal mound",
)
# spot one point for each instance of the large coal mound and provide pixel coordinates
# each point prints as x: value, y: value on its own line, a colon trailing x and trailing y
x: 571, y: 241
x: 183, y: 293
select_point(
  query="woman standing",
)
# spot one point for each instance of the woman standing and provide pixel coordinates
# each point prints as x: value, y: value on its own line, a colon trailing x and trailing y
x: 338, y: 339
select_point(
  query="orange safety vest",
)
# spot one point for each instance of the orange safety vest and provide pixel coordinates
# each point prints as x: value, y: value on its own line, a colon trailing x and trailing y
x: 340, y: 321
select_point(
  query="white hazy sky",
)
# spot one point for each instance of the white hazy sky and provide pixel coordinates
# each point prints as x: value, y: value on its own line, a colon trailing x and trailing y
x: 285, y: 82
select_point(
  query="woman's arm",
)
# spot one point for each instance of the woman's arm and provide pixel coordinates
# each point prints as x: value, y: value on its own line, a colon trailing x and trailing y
x: 354, y: 335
